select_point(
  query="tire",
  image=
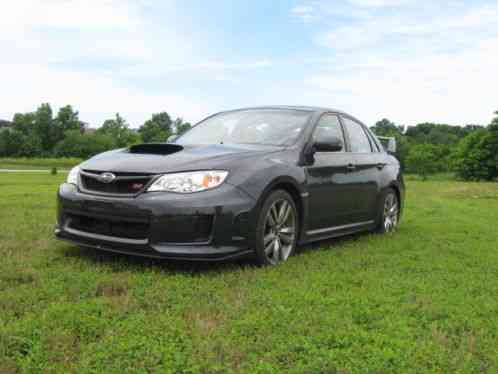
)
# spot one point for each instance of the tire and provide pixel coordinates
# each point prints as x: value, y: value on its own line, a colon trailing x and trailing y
x: 388, y: 212
x: 277, y: 229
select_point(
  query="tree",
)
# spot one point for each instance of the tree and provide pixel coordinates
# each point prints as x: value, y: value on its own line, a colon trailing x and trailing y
x: 44, y: 128
x: 24, y: 123
x: 476, y: 156
x: 156, y: 129
x: 385, y: 127
x: 422, y: 160
x: 117, y: 128
x: 467, y: 158
x: 489, y: 150
x: 181, y: 127
x: 11, y: 142
x: 68, y: 119
x: 31, y: 146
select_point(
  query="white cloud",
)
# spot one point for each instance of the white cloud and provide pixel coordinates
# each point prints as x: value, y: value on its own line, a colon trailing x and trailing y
x: 379, y: 3
x: 411, y: 67
x: 102, y: 56
x: 69, y: 14
x: 211, y: 66
x: 405, y: 27
x: 305, y: 13
x: 302, y: 9
x: 437, y: 87
x: 96, y: 96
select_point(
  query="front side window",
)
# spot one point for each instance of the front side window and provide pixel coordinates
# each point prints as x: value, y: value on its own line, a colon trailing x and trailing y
x: 255, y: 126
x: 328, y: 126
x: 357, y: 137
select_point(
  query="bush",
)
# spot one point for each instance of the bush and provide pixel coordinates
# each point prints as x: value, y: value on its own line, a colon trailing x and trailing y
x: 476, y: 157
x: 80, y: 145
x: 422, y: 159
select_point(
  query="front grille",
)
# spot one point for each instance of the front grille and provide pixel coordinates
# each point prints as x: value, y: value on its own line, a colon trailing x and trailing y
x: 119, y: 229
x: 124, y: 184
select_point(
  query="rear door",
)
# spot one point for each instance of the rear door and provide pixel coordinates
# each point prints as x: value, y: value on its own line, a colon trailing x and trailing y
x: 329, y: 182
x: 365, y: 174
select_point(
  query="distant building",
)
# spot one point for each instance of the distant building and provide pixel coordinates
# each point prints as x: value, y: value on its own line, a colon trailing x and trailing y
x: 4, y: 125
x: 89, y: 130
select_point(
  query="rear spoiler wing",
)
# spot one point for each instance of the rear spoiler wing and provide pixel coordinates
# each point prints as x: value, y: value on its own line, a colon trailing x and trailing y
x: 389, y: 143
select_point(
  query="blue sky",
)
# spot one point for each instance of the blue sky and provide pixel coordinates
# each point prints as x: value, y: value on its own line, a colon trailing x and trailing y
x: 410, y: 61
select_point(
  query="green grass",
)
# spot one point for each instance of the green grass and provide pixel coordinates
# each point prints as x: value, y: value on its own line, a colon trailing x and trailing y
x: 38, y: 163
x: 422, y: 300
x: 433, y: 177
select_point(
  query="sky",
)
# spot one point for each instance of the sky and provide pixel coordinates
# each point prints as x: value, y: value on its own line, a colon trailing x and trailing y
x: 406, y: 60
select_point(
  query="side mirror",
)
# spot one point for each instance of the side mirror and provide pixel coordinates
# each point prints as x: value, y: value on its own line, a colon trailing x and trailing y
x: 389, y: 143
x: 172, y: 138
x: 328, y: 144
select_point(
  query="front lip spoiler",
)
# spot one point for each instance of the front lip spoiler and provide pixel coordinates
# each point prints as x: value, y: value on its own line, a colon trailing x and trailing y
x: 159, y: 256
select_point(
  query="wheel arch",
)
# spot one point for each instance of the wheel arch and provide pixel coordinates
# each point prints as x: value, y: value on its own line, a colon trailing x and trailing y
x: 397, y: 188
x: 292, y: 187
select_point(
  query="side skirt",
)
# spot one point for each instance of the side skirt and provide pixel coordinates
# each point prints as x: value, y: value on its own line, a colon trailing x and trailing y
x: 337, y: 231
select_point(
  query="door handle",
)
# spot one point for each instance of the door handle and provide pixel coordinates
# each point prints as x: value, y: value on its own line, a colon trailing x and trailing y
x: 351, y: 167
x: 381, y: 165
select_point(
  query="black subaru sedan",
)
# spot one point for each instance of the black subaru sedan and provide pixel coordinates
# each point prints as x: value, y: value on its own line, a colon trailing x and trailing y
x: 257, y: 181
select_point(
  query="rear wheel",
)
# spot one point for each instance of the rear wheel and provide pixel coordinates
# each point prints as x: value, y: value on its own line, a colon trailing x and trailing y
x: 389, y: 215
x: 277, y: 229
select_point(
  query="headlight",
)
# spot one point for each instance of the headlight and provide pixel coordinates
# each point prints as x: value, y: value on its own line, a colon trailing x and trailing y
x: 72, y: 177
x: 189, y: 182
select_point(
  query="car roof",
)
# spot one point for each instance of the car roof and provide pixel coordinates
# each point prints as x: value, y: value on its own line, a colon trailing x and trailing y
x: 294, y: 107
x: 315, y: 109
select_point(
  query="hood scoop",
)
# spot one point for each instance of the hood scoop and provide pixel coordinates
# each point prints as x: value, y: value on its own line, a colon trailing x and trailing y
x: 155, y: 149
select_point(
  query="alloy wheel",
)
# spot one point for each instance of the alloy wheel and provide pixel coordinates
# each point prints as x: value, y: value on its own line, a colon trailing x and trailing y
x: 279, y: 231
x: 391, y: 211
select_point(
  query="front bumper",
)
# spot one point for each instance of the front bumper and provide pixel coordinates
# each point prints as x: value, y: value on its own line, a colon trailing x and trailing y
x: 210, y: 225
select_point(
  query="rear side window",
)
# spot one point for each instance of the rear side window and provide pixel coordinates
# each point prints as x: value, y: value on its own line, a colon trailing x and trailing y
x: 328, y: 126
x: 357, y: 137
x: 373, y: 141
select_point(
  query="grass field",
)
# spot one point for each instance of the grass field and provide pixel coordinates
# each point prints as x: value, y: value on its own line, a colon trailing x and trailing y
x: 422, y: 300
x: 38, y: 163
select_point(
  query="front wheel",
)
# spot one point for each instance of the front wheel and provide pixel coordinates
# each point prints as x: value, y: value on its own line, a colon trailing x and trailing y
x: 277, y: 229
x: 389, y: 214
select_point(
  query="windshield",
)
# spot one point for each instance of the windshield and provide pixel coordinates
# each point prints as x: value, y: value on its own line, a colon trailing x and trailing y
x: 261, y: 126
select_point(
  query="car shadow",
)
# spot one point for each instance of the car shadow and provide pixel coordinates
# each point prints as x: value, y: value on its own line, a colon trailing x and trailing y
x: 125, y: 262
x: 332, y: 243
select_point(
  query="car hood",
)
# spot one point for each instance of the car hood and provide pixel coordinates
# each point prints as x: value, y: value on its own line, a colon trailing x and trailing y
x: 166, y: 158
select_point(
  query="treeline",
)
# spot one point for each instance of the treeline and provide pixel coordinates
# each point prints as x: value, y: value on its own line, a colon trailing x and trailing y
x: 471, y: 152
x: 43, y: 134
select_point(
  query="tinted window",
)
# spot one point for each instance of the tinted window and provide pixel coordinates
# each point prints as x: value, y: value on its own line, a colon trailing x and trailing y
x: 373, y: 141
x: 328, y: 126
x: 357, y: 136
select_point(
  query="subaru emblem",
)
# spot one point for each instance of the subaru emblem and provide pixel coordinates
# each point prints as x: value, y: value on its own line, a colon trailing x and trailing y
x: 106, y: 177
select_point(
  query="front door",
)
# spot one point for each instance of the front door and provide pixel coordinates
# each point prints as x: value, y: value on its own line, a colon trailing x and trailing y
x: 330, y: 201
